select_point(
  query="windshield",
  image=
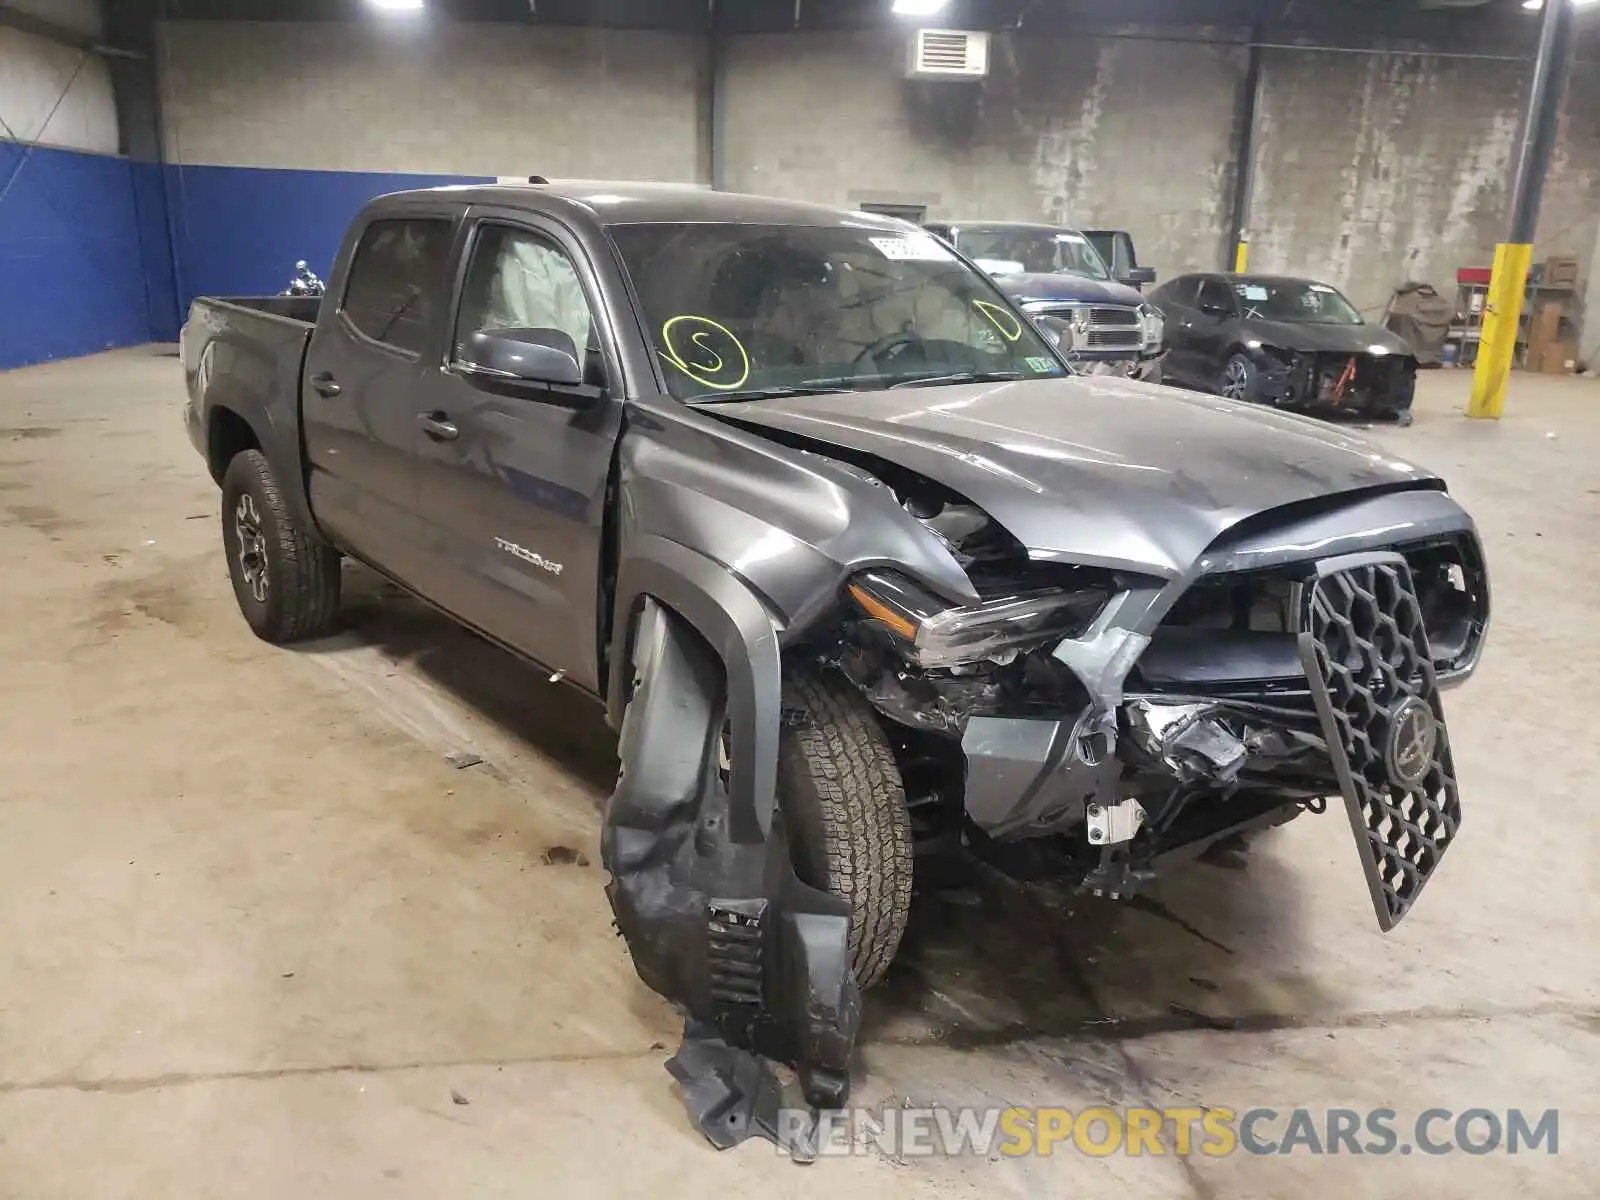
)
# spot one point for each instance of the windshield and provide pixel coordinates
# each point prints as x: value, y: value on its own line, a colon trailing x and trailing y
x: 1294, y: 302
x: 734, y: 311
x: 1033, y: 251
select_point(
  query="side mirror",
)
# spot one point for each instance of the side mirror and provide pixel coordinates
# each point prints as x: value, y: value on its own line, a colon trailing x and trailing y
x: 528, y: 355
x: 1139, y: 277
x: 1212, y: 309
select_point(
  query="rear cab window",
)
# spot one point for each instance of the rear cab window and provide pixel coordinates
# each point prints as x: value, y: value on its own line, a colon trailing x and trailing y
x: 396, y: 280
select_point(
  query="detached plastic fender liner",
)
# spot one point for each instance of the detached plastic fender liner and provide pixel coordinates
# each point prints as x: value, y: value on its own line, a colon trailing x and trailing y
x: 758, y: 961
x: 741, y: 633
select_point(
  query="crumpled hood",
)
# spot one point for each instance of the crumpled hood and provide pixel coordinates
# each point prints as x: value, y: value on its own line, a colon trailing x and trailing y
x: 1093, y: 469
x: 1341, y: 339
x: 1068, y: 289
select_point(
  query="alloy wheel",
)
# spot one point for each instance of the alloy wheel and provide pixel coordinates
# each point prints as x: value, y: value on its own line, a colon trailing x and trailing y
x: 1236, y: 382
x: 252, y: 546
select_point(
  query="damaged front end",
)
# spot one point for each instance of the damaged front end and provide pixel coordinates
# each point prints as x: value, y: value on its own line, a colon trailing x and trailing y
x: 1096, y: 727
x: 1137, y: 681
x: 1366, y: 383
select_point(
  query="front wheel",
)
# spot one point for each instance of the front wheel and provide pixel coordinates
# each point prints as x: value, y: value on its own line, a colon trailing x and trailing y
x: 845, y: 809
x: 285, y: 578
x: 1240, y: 380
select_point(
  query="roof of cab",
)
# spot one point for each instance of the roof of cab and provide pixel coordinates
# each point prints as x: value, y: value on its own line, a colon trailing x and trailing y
x: 627, y: 203
x: 1022, y: 226
x: 1236, y: 277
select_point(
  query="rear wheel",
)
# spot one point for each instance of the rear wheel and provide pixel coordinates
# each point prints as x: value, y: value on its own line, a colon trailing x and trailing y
x: 845, y: 810
x: 1240, y: 379
x: 285, y: 578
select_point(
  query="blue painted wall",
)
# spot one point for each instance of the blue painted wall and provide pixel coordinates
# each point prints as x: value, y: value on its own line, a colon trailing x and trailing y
x: 98, y: 252
x: 155, y: 250
x: 239, y: 230
x: 72, y: 277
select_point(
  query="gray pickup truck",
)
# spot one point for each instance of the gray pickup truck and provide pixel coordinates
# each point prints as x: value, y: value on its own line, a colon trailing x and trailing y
x: 854, y: 563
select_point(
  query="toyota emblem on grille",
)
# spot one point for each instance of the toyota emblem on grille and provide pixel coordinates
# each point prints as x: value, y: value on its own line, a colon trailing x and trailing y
x: 1413, y: 738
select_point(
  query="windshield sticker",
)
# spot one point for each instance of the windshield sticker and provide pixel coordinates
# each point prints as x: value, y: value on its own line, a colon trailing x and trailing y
x: 912, y: 249
x: 999, y: 266
x: 1043, y: 366
x: 1255, y: 292
x: 1005, y: 322
x: 708, y: 353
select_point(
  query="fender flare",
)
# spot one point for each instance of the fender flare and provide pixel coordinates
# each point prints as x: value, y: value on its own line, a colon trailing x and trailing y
x: 271, y: 410
x: 742, y: 634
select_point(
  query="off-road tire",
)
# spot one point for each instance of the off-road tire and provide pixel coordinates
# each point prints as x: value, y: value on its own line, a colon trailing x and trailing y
x: 296, y: 595
x: 844, y: 809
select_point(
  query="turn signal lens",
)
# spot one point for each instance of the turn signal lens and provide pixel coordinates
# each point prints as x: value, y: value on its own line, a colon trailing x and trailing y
x: 880, y: 611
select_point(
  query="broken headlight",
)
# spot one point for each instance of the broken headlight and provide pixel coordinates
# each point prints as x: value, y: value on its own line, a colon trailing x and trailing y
x: 1152, y: 327
x: 932, y: 634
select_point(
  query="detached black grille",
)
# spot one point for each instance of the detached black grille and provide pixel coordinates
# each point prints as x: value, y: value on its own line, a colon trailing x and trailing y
x: 1237, y: 633
x: 1366, y: 653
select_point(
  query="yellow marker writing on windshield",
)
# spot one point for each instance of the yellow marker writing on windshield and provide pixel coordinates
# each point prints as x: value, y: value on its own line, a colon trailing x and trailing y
x: 705, y: 335
x: 1006, y: 322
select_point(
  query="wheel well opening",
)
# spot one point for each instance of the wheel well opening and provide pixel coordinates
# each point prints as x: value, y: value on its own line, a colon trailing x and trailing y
x: 229, y: 435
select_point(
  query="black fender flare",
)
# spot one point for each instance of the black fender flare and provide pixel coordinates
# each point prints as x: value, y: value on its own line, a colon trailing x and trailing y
x: 744, y: 636
x: 269, y: 405
x: 724, y: 928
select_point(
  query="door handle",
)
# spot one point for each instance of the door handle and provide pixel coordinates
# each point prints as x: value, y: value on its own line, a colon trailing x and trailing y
x: 437, y: 427
x: 324, y: 384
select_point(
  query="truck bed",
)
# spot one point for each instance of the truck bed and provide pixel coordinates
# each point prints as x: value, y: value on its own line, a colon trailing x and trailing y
x: 246, y: 354
x: 300, y: 309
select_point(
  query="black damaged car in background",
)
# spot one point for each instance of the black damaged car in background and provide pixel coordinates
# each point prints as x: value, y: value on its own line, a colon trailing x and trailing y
x: 1291, y: 343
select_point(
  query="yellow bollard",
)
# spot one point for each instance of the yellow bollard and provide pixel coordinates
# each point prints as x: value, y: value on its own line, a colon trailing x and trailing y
x: 1502, y: 318
x: 1241, y: 256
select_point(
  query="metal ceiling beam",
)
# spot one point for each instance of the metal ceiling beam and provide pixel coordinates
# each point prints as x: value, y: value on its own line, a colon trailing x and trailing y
x: 41, y: 27
x: 12, y: 17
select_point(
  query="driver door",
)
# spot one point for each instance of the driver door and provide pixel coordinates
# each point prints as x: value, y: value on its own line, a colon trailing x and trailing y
x: 512, y: 476
x: 1210, y: 334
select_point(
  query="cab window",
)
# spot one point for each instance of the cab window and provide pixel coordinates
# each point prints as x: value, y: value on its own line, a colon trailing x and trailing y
x: 396, y: 276
x: 519, y: 279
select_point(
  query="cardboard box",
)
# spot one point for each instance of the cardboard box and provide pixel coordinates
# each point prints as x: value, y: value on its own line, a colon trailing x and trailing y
x: 1560, y: 358
x: 1544, y: 333
x: 1560, y: 271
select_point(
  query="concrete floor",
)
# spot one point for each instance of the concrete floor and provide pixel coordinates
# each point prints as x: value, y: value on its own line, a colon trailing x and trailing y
x: 255, y: 927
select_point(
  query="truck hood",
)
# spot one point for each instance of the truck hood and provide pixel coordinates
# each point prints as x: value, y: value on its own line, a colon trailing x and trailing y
x: 1340, y: 339
x: 1067, y: 289
x: 1092, y: 469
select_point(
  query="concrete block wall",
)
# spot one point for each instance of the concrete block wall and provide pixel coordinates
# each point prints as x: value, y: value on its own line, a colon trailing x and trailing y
x: 276, y: 133
x: 55, y: 95
x: 1372, y: 170
x: 69, y: 226
x: 411, y: 95
x: 1085, y: 131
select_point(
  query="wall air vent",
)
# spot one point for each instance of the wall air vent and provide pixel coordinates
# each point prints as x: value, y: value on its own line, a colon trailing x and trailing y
x: 947, y: 54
